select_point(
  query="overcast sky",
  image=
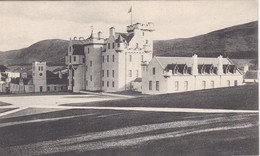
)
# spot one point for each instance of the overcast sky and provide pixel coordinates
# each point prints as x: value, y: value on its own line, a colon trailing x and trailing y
x: 24, y: 23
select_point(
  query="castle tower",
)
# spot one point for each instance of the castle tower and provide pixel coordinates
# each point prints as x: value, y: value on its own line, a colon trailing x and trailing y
x: 39, y: 76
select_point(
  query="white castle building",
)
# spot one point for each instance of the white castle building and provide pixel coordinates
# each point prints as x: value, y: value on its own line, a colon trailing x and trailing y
x: 179, y: 74
x: 125, y: 61
x: 109, y: 64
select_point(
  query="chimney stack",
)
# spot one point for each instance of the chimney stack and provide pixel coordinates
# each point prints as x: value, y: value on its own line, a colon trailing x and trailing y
x: 112, y: 31
x: 195, y: 65
x: 99, y: 35
x: 246, y: 68
x: 220, y: 65
x: 60, y: 74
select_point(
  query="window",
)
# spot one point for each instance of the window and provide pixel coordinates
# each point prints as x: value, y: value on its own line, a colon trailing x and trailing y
x: 86, y: 68
x: 86, y: 82
x: 41, y: 68
x: 113, y: 84
x: 146, y: 41
x: 113, y: 73
x: 153, y: 71
x: 48, y: 88
x: 55, y: 88
x: 176, y: 85
x: 113, y: 45
x: 136, y: 45
x: 203, y: 84
x: 103, y: 83
x: 103, y: 73
x: 74, y: 58
x: 70, y: 49
x: 88, y: 50
x: 61, y: 87
x: 143, y: 33
x: 130, y: 73
x: 40, y: 74
x: 103, y: 59
x: 157, y: 85
x: 186, y: 85
x: 130, y: 58
x: 83, y: 60
x: 113, y: 58
x: 107, y: 73
x: 118, y: 45
x: 142, y: 58
x: 90, y: 77
x: 107, y: 83
x: 70, y: 59
x: 137, y: 73
x: 107, y: 58
x: 235, y: 82
x: 108, y: 45
x: 143, y: 68
x: 90, y: 63
x: 150, y: 85
x: 228, y: 83
x: 212, y: 84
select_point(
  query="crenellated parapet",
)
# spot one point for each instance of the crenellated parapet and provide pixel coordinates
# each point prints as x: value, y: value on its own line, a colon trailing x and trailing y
x: 146, y: 27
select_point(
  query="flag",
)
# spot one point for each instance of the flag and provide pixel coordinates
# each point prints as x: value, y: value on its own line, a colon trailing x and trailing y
x: 130, y: 10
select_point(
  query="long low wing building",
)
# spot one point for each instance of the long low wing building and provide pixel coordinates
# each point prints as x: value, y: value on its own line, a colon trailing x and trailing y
x: 179, y: 74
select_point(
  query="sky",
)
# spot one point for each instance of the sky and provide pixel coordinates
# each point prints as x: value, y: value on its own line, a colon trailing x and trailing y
x: 25, y: 23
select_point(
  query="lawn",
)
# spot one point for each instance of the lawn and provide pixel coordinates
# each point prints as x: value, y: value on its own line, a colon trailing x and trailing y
x: 240, y: 97
x: 109, y: 132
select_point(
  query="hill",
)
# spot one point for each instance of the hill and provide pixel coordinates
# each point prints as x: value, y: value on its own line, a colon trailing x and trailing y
x: 52, y: 51
x: 233, y: 42
x: 239, y: 41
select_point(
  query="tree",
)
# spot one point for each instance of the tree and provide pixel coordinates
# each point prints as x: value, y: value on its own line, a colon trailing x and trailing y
x: 2, y: 68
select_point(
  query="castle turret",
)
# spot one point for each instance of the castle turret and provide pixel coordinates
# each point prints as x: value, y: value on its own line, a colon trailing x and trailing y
x: 39, y: 76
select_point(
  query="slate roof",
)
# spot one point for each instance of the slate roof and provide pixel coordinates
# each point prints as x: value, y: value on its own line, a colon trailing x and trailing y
x: 54, y: 80
x: 179, y: 67
x: 25, y: 81
x: 78, y: 49
x: 139, y: 79
x: 164, y: 61
x: 251, y: 75
x: 125, y: 36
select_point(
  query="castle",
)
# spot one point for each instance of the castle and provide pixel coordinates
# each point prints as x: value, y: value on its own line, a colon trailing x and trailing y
x: 124, y: 61
x: 109, y: 64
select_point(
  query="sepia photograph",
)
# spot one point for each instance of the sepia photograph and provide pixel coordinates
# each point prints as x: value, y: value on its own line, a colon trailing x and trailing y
x: 129, y: 78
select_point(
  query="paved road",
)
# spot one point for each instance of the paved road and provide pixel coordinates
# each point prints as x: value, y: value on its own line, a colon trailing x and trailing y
x: 55, y: 101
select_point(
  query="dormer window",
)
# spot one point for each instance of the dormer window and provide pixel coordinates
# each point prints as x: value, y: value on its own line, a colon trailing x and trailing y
x: 185, y: 70
x: 211, y: 70
x: 227, y: 70
x: 203, y: 69
x: 175, y: 70
x: 235, y: 70
x: 118, y: 45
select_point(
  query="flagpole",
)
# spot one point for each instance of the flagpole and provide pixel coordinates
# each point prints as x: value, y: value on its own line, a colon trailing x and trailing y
x: 131, y: 15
